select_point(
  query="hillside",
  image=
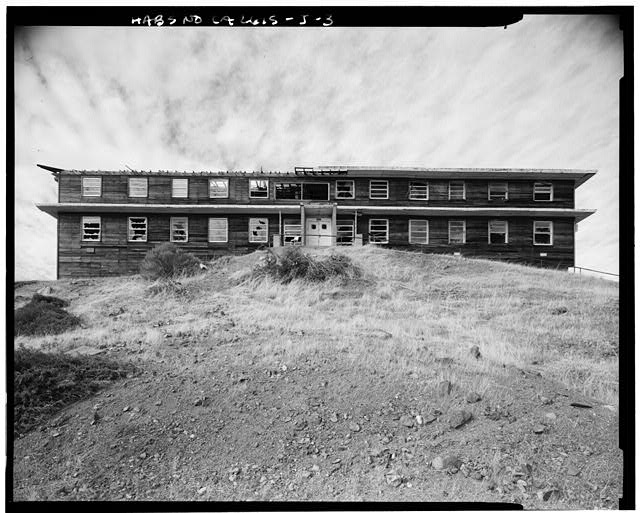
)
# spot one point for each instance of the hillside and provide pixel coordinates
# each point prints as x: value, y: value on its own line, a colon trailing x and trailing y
x: 254, y: 390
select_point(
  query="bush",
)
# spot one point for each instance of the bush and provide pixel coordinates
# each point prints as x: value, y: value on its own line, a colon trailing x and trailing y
x: 44, y: 383
x: 168, y: 261
x: 294, y: 264
x: 43, y: 315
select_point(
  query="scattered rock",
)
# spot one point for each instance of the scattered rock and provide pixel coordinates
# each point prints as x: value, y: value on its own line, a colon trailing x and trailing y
x: 406, y: 421
x: 393, y: 478
x: 334, y: 417
x: 202, y: 490
x: 125, y: 409
x: 546, y: 400
x: 580, y: 405
x: 444, y: 388
x: 459, y: 418
x: 550, y: 416
x: 45, y: 291
x: 539, y: 429
x: 547, y: 494
x: 429, y: 419
x: 477, y: 476
x: 315, y: 468
x: 353, y: 426
x: 443, y: 463
x: 559, y: 310
x: 572, y: 470
x: 202, y: 401
x: 475, y: 352
x: 84, y: 351
x: 419, y: 420
x: 473, y: 397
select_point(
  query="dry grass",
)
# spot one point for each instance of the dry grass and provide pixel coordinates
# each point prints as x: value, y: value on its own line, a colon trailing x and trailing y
x: 407, y: 311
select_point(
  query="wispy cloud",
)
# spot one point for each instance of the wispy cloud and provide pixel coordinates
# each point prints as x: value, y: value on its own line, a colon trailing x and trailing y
x: 542, y: 93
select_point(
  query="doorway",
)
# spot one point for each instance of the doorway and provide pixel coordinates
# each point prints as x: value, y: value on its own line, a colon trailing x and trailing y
x: 318, y: 232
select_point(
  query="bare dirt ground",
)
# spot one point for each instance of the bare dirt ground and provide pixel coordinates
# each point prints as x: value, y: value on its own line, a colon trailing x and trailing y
x: 228, y: 407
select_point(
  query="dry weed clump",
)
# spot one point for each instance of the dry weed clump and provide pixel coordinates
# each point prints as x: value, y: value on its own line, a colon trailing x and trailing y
x: 44, y: 383
x: 43, y: 315
x: 168, y: 261
x: 294, y: 264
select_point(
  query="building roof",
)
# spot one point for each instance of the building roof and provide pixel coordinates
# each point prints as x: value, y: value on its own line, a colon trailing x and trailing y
x: 578, y: 175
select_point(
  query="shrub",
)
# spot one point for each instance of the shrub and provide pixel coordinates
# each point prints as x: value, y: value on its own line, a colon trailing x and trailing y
x: 294, y: 264
x: 44, y: 383
x: 43, y: 315
x: 168, y: 261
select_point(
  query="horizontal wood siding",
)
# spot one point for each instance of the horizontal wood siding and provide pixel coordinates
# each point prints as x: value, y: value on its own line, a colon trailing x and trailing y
x: 115, y: 190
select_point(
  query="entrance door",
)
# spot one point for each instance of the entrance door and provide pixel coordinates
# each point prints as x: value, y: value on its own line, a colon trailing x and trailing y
x: 318, y: 231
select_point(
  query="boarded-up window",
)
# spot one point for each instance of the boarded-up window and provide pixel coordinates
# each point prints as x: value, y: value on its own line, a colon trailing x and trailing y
x: 378, y: 231
x: 418, y: 191
x: 498, y: 191
x: 179, y: 229
x: 345, y: 189
x: 258, y: 229
x: 498, y: 232
x: 378, y: 189
x: 219, y: 188
x: 91, y: 185
x: 91, y: 227
x: 542, y: 191
x: 457, y: 190
x: 543, y: 233
x: 138, y: 187
x: 180, y: 188
x: 418, y: 231
x: 258, y: 188
x: 137, y: 229
x: 344, y: 232
x: 292, y: 233
x: 457, y: 232
x: 218, y: 229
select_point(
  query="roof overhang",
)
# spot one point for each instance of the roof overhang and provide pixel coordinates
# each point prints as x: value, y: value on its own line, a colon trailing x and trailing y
x: 54, y: 209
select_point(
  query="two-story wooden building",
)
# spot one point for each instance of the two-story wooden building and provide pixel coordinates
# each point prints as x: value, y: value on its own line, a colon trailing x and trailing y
x: 108, y: 220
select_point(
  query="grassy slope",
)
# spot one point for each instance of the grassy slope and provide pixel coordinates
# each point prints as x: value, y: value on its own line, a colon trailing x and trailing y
x: 372, y: 350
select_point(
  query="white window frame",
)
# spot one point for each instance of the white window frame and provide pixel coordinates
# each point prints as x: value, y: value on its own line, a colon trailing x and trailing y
x: 254, y: 222
x: 547, y: 188
x: 464, y: 231
x: 414, y: 195
x: 214, y: 193
x: 89, y: 190
x: 131, y: 229
x: 425, y: 230
x: 505, y: 232
x: 353, y: 189
x: 186, y: 229
x: 377, y: 188
x: 293, y: 231
x: 499, y: 198
x: 134, y: 192
x: 253, y: 190
x: 218, y: 230
x: 464, y: 189
x: 386, y: 230
x: 91, y: 220
x: 348, y: 228
x: 550, y: 223
x: 177, y: 192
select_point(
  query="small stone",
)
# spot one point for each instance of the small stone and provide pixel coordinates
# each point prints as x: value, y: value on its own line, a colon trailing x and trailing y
x: 305, y: 474
x: 477, y: 476
x: 444, y: 388
x: 419, y: 420
x: 580, y: 405
x: 559, y: 310
x: 550, y: 416
x: 202, y: 490
x: 158, y: 403
x: 546, y: 400
x: 143, y: 455
x: 315, y: 468
x: 393, y: 478
x: 126, y: 408
x: 473, y: 397
x: 545, y: 495
x: 334, y: 417
x: 475, y: 352
x: 459, y: 418
x: 354, y: 427
x: 429, y: 419
x: 572, y: 470
x: 538, y: 429
x: 521, y: 482
x: 440, y: 463
x: 406, y: 421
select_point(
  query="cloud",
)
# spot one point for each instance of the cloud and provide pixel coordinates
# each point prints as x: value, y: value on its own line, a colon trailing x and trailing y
x: 543, y: 93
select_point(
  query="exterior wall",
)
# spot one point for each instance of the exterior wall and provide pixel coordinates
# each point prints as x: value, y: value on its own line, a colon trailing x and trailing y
x: 114, y: 255
x: 115, y: 190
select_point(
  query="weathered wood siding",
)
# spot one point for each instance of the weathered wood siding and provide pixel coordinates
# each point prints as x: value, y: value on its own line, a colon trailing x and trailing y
x: 115, y: 190
x: 114, y: 255
x: 519, y: 248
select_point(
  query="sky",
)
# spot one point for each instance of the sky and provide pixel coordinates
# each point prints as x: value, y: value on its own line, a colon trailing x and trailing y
x: 542, y: 93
